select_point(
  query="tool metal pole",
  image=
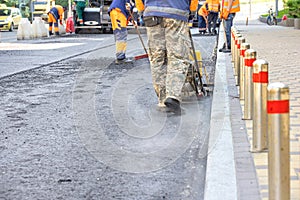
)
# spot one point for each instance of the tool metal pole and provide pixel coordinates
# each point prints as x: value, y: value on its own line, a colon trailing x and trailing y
x: 138, y: 32
x: 250, y: 57
x: 260, y: 117
x: 279, y: 149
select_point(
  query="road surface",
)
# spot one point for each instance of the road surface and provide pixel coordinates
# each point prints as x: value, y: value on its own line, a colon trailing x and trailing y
x: 76, y: 126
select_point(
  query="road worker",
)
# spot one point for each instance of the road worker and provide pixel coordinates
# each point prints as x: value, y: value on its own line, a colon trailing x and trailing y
x: 229, y: 9
x: 213, y: 8
x: 80, y: 6
x: 203, y: 18
x: 119, y: 12
x: 55, y: 16
x: 169, y: 47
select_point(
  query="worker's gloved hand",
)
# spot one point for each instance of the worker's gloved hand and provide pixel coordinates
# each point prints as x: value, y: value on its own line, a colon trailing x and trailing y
x: 61, y: 22
x: 128, y: 6
x: 225, y: 14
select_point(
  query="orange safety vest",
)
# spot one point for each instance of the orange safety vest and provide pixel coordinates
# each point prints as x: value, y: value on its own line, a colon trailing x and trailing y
x: 234, y: 8
x: 213, y: 5
x: 203, y: 11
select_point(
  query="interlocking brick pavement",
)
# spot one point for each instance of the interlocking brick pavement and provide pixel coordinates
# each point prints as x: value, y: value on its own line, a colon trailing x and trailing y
x: 280, y: 46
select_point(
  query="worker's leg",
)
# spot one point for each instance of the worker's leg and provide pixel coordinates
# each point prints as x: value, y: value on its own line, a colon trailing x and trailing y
x: 214, y: 22
x: 158, y: 60
x: 228, y: 25
x: 51, y: 19
x: 56, y: 28
x: 178, y: 45
x: 80, y: 5
x: 119, y: 24
x: 210, y: 20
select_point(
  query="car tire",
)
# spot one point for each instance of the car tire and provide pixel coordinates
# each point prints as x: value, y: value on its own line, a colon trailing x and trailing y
x: 11, y: 28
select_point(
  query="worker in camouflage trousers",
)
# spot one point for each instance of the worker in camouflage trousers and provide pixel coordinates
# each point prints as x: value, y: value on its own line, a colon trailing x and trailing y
x: 169, y: 47
x: 119, y: 12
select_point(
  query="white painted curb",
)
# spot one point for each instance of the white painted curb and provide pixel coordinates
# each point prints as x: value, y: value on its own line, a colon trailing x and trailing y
x: 220, y: 180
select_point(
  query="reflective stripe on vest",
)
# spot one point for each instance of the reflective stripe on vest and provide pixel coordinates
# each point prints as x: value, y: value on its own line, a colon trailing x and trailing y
x: 235, y: 6
x: 213, y: 5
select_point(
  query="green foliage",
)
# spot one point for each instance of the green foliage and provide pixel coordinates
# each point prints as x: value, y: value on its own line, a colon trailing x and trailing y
x: 280, y: 13
x: 63, y: 3
x: 9, y: 3
x: 293, y: 8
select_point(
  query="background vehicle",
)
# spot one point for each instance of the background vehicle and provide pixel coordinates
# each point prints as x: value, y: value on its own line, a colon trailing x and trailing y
x: 95, y: 17
x: 41, y: 8
x: 9, y: 18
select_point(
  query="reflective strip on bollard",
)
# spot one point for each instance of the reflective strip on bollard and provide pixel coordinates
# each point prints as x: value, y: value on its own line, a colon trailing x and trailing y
x: 278, y: 141
x: 278, y: 107
x: 244, y: 47
x: 260, y: 117
x: 261, y: 77
x: 250, y: 57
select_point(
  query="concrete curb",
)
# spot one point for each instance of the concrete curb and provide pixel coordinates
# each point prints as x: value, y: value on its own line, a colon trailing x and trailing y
x: 220, y: 180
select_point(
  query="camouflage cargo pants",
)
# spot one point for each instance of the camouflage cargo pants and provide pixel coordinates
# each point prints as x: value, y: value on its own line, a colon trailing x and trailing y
x: 169, y: 47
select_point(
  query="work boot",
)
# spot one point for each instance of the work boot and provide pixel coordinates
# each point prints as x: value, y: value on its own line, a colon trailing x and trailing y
x: 123, y: 61
x: 57, y: 33
x: 224, y: 49
x: 173, y: 105
x: 50, y: 33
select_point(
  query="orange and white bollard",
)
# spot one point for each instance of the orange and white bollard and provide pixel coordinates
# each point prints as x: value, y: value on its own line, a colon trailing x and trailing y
x: 279, y: 138
x: 250, y: 57
x: 260, y: 118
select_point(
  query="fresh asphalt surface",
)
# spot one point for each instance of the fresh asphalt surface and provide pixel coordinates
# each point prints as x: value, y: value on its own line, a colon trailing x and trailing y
x: 76, y: 126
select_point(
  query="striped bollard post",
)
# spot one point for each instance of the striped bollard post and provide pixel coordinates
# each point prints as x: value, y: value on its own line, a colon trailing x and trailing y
x: 278, y: 139
x: 240, y: 40
x: 250, y: 57
x: 237, y: 36
x: 233, y: 33
x: 260, y: 118
x: 244, y: 47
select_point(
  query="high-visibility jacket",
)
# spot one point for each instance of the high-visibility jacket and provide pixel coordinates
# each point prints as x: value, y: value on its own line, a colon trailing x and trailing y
x: 203, y: 11
x: 213, y: 5
x: 120, y: 4
x: 140, y: 5
x: 179, y: 9
x: 234, y: 8
x: 57, y: 12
